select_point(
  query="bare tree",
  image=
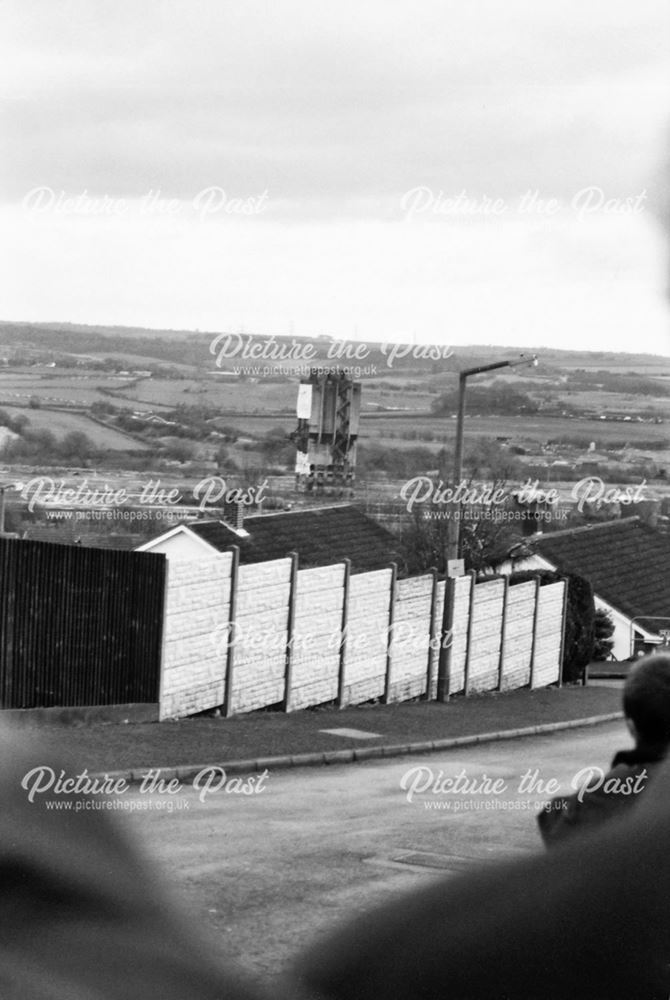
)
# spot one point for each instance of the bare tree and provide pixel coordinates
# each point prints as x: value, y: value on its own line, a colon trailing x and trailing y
x: 487, y: 534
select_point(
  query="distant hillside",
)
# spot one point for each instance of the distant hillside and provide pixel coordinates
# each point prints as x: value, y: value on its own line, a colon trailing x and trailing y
x: 191, y: 347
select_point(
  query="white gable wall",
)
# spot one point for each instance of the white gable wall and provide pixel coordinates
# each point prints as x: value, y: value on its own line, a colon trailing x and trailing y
x: 179, y: 544
x: 621, y: 636
x: 519, y: 565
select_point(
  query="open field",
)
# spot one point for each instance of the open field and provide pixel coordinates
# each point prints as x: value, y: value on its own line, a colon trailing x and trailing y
x: 261, y: 396
x: 9, y: 328
x: 623, y: 367
x: 61, y: 389
x: 393, y: 428
x: 533, y: 427
x: 60, y: 423
x: 398, y: 429
x: 615, y: 401
x: 127, y: 359
x: 396, y: 401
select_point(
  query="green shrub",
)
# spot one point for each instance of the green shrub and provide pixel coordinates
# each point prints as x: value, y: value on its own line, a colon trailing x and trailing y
x: 604, y: 630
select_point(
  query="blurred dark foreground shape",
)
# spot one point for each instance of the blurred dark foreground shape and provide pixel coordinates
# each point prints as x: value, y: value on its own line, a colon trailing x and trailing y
x: 83, y: 917
x: 605, y: 796
x: 588, y: 921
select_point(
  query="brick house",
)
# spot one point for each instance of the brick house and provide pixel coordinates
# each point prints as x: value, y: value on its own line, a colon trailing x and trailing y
x: 321, y: 536
x: 628, y: 565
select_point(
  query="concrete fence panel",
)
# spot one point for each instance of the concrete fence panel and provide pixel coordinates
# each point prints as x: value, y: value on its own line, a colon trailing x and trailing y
x: 366, y: 640
x: 211, y: 633
x: 410, y: 649
x: 317, y: 635
x: 485, y: 636
x: 195, y: 639
x: 548, y: 630
x: 272, y: 634
x: 518, y: 636
x: 261, y: 635
x: 459, y: 633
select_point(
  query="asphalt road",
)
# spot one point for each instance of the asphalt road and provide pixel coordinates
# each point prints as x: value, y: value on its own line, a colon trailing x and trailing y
x: 268, y: 870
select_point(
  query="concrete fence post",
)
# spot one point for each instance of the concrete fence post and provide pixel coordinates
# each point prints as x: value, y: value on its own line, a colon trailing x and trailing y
x: 232, y: 632
x: 561, y: 649
x: 536, y: 610
x: 468, y: 642
x: 503, y: 622
x: 290, y: 626
x: 343, y: 632
x: 446, y: 641
x: 393, y: 592
x: 430, y: 672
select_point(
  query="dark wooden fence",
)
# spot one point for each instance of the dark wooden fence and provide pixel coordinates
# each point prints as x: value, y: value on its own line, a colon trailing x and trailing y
x: 78, y: 626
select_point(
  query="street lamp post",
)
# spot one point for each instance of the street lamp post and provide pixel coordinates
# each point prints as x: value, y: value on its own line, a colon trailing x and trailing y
x: 454, y: 524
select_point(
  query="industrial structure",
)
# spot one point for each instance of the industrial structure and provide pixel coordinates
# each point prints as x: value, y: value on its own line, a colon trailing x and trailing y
x: 328, y: 411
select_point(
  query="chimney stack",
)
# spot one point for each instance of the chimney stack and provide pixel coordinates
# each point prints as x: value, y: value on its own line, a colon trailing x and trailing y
x: 233, y: 514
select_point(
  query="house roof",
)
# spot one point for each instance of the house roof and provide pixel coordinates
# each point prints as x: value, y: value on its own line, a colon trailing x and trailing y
x: 321, y: 536
x: 626, y: 561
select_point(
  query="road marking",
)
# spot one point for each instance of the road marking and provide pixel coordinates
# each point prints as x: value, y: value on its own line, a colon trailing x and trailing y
x: 354, y: 734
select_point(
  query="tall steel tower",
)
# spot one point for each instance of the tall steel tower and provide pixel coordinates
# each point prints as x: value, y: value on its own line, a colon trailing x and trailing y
x: 328, y: 412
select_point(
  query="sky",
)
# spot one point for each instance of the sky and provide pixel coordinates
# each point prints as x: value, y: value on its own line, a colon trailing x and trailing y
x: 426, y: 172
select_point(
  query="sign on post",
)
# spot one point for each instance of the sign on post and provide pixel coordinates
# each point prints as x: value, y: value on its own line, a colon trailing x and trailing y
x: 455, y: 567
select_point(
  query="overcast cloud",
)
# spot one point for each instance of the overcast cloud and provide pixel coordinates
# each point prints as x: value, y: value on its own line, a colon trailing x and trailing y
x: 335, y: 111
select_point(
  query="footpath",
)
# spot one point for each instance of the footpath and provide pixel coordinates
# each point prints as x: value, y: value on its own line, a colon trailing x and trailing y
x: 324, y: 736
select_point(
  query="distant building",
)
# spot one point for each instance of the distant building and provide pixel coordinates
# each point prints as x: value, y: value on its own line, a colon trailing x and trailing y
x: 320, y: 536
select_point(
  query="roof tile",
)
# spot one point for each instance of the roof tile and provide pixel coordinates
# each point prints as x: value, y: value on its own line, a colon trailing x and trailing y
x: 321, y: 536
x: 627, y: 562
